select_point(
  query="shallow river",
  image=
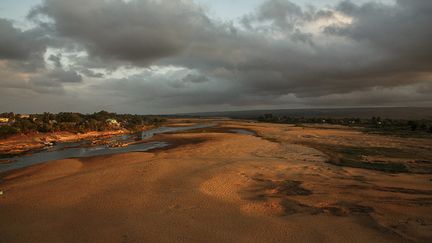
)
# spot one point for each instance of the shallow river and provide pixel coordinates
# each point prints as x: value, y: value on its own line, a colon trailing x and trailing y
x: 81, y: 149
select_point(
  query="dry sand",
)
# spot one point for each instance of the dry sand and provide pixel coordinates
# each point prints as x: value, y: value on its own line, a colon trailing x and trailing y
x: 226, y: 188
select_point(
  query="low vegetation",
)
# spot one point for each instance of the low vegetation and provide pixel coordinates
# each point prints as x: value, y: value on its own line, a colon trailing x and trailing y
x: 387, y: 126
x: 73, y: 122
x: 353, y: 157
x: 412, y: 159
x: 386, y: 159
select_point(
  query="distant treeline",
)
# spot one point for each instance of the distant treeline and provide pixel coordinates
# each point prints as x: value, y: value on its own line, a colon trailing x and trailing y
x: 72, y: 122
x: 373, y: 124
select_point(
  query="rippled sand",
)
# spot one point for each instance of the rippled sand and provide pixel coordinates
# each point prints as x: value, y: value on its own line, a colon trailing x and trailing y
x: 228, y: 187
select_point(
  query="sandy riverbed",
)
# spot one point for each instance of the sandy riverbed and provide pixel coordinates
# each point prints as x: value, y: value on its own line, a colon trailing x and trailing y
x: 218, y: 187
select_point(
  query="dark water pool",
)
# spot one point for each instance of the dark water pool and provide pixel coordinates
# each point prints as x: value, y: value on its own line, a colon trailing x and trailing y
x: 243, y: 131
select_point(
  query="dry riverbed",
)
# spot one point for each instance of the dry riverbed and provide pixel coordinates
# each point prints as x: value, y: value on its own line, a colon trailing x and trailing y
x: 284, y: 184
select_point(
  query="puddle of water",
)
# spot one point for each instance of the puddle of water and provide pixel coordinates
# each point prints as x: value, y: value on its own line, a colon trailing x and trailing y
x: 243, y: 131
x: 81, y: 149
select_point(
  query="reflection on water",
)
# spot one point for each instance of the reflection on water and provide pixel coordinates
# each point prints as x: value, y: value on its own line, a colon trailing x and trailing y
x: 77, y: 152
x: 82, y: 148
x: 151, y: 133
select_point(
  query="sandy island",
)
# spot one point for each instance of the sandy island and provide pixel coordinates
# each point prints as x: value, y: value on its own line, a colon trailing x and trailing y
x: 220, y: 187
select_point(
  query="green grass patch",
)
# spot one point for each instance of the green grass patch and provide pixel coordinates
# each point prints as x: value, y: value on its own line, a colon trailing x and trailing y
x: 353, y: 157
x: 386, y: 166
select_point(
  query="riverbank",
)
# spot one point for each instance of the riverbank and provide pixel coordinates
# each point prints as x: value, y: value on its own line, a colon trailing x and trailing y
x: 137, y: 142
x: 23, y: 143
x: 215, y: 186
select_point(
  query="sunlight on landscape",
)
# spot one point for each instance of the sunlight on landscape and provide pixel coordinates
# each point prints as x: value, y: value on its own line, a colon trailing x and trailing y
x: 215, y: 121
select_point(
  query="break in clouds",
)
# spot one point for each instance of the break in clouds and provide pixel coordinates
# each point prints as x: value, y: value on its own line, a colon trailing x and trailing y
x: 160, y: 56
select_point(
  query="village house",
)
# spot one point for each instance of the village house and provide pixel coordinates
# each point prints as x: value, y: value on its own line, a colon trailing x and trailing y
x: 24, y: 116
x: 112, y: 122
x: 4, y: 120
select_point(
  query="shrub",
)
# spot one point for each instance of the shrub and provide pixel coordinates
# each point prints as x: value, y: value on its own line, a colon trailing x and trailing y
x: 6, y: 131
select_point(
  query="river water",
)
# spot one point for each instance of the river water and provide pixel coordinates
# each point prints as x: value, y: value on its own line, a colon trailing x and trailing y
x: 82, y: 148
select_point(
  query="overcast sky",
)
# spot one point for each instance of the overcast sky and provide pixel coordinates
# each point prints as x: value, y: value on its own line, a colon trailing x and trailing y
x: 171, y: 56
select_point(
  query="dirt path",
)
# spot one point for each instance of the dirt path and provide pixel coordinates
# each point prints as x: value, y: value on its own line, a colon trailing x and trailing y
x: 230, y: 188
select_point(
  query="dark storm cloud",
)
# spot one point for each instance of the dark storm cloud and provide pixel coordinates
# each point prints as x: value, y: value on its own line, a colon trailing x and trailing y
x: 22, y: 64
x: 91, y: 74
x: 195, y: 78
x: 53, y: 81
x: 384, y: 46
x: 56, y: 59
x: 64, y: 76
x: 137, y: 31
x: 162, y: 91
x: 17, y: 44
x: 402, y: 31
x: 21, y: 55
x: 347, y: 54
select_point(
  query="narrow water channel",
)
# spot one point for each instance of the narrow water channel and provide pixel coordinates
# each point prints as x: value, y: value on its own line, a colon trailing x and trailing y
x: 82, y: 148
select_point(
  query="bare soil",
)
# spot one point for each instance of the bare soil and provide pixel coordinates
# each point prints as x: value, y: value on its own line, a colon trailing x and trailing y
x: 214, y: 186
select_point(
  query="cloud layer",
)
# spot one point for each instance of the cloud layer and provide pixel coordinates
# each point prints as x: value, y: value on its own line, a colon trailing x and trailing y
x: 163, y: 56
